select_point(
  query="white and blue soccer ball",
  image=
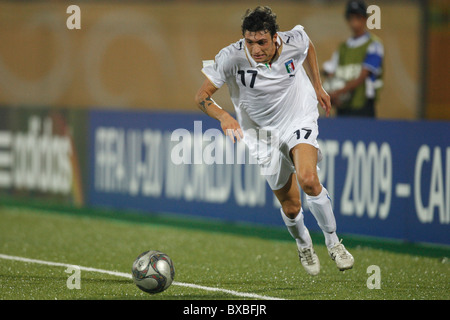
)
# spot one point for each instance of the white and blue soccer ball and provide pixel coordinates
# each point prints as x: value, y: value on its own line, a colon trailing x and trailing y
x: 153, y: 271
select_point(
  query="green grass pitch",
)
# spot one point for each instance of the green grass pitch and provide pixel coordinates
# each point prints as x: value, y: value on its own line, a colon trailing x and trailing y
x: 240, y: 258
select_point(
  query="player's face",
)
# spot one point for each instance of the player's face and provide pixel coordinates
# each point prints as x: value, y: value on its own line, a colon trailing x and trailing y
x: 261, y: 45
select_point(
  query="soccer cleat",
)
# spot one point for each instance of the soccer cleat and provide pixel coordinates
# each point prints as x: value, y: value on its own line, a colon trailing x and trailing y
x: 309, y: 260
x: 344, y: 260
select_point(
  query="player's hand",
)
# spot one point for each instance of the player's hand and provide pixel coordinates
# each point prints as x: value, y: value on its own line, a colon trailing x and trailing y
x: 324, y: 100
x: 231, y: 127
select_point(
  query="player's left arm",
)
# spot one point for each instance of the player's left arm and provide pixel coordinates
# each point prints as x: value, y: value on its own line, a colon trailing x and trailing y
x: 312, y: 68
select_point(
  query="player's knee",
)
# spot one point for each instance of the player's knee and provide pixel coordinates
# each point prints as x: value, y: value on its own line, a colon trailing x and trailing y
x: 309, y: 182
x: 291, y: 208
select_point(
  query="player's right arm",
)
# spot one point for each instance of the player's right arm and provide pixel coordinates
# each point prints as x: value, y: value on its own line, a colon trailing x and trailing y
x: 204, y: 101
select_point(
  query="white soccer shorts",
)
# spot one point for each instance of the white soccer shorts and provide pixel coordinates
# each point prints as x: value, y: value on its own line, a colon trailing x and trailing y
x: 275, y: 163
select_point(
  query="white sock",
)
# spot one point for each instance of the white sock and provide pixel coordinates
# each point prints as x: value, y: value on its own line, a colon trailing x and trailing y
x: 297, y: 229
x: 322, y: 210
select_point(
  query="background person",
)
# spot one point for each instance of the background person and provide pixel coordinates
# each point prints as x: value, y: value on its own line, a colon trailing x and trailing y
x: 356, y: 68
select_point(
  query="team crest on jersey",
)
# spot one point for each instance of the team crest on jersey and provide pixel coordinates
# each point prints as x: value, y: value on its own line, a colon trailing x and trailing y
x: 290, y: 67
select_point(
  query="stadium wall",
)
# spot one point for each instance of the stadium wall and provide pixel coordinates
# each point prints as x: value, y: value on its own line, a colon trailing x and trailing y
x: 148, y: 54
x: 386, y: 178
x: 43, y: 155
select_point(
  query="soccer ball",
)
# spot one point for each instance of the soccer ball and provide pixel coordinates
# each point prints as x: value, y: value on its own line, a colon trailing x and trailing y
x: 153, y: 271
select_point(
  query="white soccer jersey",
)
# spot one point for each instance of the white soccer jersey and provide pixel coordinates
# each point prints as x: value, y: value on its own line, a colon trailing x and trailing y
x: 276, y: 105
x: 267, y: 97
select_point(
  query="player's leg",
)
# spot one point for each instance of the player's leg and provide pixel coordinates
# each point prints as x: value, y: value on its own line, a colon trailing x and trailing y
x: 292, y: 214
x: 305, y: 161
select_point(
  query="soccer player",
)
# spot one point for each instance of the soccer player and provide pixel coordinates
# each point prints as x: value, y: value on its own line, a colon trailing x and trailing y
x: 274, y: 97
x: 358, y: 64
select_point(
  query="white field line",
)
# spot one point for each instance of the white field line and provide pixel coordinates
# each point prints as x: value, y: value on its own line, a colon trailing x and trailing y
x: 128, y: 275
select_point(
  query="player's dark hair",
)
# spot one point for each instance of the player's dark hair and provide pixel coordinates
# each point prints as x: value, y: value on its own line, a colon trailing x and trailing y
x: 260, y: 19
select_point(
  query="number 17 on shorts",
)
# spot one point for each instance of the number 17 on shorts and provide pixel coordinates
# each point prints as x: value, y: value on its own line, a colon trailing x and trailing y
x: 303, y: 133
